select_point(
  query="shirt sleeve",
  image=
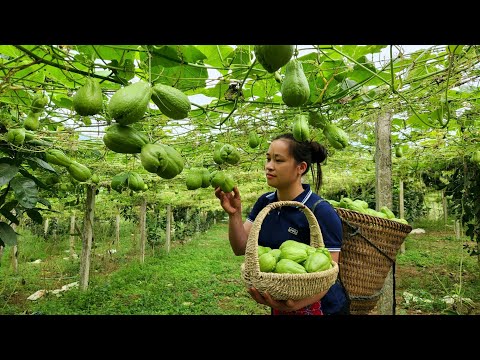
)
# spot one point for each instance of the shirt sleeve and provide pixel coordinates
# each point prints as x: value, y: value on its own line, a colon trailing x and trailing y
x: 257, y: 207
x: 330, y: 225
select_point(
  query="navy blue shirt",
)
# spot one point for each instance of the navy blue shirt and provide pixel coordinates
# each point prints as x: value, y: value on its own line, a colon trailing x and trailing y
x: 288, y: 222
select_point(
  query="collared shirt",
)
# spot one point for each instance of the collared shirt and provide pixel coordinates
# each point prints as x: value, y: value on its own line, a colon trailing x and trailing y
x: 288, y: 222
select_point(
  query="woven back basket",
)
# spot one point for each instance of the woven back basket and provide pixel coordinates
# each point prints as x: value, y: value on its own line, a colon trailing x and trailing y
x: 370, y: 246
x: 285, y: 286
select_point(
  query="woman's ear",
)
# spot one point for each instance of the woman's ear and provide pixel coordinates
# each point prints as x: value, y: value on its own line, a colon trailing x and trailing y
x: 302, y: 167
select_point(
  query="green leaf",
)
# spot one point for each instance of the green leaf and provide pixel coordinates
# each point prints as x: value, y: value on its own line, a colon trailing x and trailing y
x: 10, y: 51
x: 7, y: 234
x: 9, y: 205
x: 58, y: 75
x: 35, y: 73
x: 62, y: 101
x: 26, y: 191
x: 362, y: 50
x: 164, y: 56
x: 108, y: 52
x: 192, y: 54
x: 128, y: 72
x: 9, y: 216
x: 215, y: 54
x: 181, y: 77
x: 35, y: 216
x: 15, y: 97
x: 43, y: 164
x: 7, y: 172
x: 45, y: 202
x: 419, y: 121
x: 241, y: 55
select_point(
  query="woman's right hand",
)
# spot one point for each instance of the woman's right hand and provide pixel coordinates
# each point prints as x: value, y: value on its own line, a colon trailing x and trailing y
x: 230, y: 201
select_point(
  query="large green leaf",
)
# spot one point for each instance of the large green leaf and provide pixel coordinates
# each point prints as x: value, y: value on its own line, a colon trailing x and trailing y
x: 362, y: 50
x: 7, y: 235
x: 10, y: 51
x: 215, y: 54
x: 60, y: 76
x: 108, y: 52
x: 26, y: 191
x: 9, y: 216
x: 45, y: 202
x: 9, y: 205
x: 42, y: 164
x: 35, y: 216
x: 164, y: 56
x: 62, y: 101
x: 241, y: 55
x: 192, y: 54
x: 15, y: 97
x: 7, y: 172
x: 182, y: 77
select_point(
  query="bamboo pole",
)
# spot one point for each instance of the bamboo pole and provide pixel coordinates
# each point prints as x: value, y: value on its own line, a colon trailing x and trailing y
x: 72, y: 235
x: 168, y: 228
x: 117, y: 230
x: 445, y: 210
x: 87, y: 237
x: 401, y: 211
x: 15, y: 253
x: 45, y: 228
x: 142, y: 224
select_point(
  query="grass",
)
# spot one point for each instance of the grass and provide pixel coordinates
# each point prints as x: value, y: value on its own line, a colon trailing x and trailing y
x: 435, y: 267
x: 202, y: 277
x: 199, y: 277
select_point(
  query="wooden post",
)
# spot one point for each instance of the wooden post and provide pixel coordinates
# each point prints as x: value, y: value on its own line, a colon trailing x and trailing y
x: 54, y: 231
x: 401, y: 210
x: 117, y: 230
x: 45, y: 228
x: 445, y: 210
x: 142, y: 224
x: 168, y: 228
x: 457, y: 229
x: 14, y: 252
x: 72, y: 235
x: 383, y: 194
x: 198, y: 220
x: 87, y: 237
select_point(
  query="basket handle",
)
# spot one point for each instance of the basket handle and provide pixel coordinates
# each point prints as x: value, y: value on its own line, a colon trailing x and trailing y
x: 251, y: 249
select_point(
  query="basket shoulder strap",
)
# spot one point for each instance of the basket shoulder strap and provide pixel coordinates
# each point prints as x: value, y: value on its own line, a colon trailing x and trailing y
x: 315, y: 204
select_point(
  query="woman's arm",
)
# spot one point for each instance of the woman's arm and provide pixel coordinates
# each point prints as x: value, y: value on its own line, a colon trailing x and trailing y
x: 238, y: 233
x: 237, y: 230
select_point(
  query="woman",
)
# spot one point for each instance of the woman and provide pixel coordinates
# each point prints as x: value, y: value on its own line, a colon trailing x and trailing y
x: 287, y: 161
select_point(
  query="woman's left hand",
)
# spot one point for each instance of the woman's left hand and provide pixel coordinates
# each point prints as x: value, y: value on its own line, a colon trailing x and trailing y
x: 281, y: 305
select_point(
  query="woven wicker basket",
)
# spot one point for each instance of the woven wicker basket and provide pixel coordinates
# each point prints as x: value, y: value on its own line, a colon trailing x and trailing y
x: 285, y: 286
x: 370, y: 246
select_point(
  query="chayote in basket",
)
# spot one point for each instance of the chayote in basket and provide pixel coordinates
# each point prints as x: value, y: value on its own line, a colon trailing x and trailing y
x: 294, y: 257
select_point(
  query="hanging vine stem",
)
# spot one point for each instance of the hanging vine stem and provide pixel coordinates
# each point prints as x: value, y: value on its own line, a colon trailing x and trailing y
x: 450, y: 65
x: 240, y: 88
x: 391, y: 70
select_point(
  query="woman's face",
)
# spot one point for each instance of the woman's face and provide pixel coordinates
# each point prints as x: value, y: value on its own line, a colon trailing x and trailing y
x: 281, y: 168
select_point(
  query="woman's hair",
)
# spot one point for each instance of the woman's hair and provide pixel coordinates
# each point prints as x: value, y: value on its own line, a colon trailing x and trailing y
x: 311, y: 152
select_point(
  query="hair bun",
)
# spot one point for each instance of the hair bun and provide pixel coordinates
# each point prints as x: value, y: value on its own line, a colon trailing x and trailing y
x: 319, y: 152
